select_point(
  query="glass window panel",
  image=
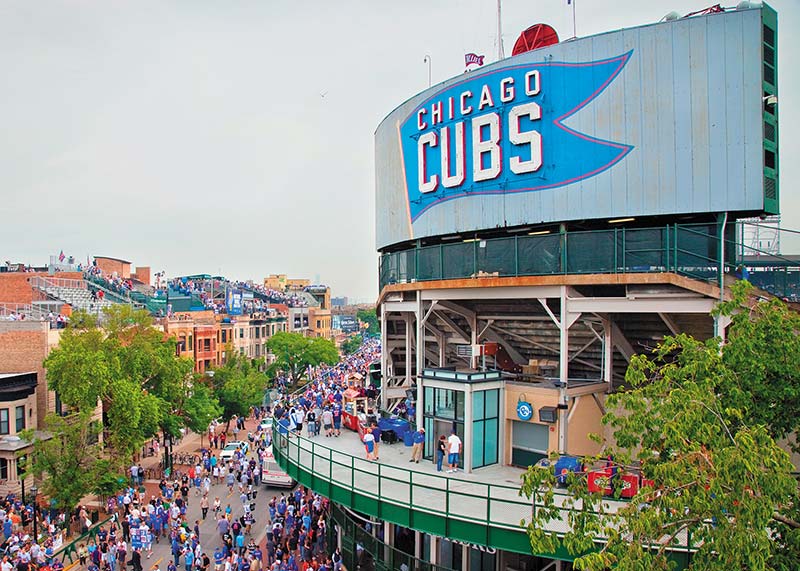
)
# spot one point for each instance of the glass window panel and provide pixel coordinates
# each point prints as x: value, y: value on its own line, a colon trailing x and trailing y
x: 460, y: 433
x: 477, y: 405
x: 428, y: 452
x: 491, y: 409
x: 428, y: 400
x: 445, y: 406
x: 477, y: 444
x: 460, y: 405
x: 490, y: 442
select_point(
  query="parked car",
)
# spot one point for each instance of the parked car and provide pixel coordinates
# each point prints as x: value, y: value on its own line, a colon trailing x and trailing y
x: 231, y: 447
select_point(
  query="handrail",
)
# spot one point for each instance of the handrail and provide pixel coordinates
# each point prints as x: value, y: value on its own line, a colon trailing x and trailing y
x: 486, y: 504
x: 686, y: 249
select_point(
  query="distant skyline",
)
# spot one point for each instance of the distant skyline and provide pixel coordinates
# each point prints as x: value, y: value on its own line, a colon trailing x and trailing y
x: 237, y: 137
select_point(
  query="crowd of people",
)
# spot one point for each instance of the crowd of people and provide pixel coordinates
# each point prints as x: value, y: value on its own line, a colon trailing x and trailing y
x: 112, y: 282
x: 56, y: 320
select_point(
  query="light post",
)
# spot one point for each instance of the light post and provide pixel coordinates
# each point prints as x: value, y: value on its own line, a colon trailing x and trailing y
x: 35, y: 493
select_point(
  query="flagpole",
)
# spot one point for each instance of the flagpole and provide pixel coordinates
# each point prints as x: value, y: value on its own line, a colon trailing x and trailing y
x: 427, y: 59
x: 500, y: 54
x: 574, y: 28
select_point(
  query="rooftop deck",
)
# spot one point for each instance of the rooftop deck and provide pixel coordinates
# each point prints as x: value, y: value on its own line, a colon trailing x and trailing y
x: 483, y: 507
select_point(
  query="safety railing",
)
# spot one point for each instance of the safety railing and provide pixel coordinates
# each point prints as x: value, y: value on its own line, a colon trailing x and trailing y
x: 44, y: 283
x: 693, y: 250
x: 481, y: 507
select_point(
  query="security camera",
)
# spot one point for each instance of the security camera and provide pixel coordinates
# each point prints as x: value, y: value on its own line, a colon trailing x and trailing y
x: 770, y: 99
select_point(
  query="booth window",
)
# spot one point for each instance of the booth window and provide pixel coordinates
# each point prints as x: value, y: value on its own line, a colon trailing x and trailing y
x: 3, y: 469
x: 485, y: 423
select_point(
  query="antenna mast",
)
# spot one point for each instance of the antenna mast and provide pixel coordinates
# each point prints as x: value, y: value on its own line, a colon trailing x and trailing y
x: 500, y: 54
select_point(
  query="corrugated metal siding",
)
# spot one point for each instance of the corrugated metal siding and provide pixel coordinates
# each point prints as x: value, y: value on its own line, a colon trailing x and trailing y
x: 689, y: 101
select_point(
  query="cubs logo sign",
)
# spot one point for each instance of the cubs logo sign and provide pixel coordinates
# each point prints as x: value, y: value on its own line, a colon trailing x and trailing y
x: 504, y: 131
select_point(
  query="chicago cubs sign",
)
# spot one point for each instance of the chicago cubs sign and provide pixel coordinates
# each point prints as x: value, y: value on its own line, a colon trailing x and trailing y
x: 503, y: 132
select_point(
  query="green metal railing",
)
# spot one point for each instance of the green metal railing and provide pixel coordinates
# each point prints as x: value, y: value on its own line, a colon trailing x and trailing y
x: 384, y: 557
x: 70, y: 550
x: 468, y: 510
x: 693, y: 250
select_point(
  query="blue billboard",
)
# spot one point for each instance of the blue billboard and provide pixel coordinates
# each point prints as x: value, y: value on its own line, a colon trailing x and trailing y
x: 503, y: 132
x: 233, y: 301
x: 660, y: 120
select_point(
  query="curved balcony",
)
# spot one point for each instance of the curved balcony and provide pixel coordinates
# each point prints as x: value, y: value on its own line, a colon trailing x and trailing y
x: 482, y: 508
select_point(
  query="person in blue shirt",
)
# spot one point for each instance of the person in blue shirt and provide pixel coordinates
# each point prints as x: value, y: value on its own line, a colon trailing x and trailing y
x: 419, y: 445
x: 188, y: 559
x: 337, y: 418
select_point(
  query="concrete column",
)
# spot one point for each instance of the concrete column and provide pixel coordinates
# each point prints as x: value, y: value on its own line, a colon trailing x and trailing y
x: 420, y: 349
x: 608, y: 354
x: 434, y: 555
x: 563, y: 371
x: 409, y: 346
x: 441, y: 340
x: 468, y: 429
x: 388, y: 539
x: 384, y: 360
x: 418, y: 545
x: 465, y: 557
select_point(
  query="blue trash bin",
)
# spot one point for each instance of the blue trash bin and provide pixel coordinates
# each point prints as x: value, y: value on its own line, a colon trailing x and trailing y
x: 408, y: 438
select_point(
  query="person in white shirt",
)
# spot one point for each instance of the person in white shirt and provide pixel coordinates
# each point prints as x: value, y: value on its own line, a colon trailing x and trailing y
x: 454, y: 450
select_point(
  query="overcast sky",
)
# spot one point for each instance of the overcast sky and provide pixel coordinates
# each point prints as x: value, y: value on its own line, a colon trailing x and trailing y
x: 237, y: 136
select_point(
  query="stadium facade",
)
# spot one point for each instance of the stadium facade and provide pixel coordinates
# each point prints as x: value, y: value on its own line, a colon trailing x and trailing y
x: 540, y: 221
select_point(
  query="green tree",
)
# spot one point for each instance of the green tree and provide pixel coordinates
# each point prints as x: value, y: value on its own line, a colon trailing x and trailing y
x: 370, y: 317
x: 69, y: 457
x: 127, y: 366
x: 351, y: 344
x: 688, y: 422
x: 238, y: 385
x: 294, y: 353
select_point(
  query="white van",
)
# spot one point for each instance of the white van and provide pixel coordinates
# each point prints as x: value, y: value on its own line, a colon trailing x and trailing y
x: 272, y: 475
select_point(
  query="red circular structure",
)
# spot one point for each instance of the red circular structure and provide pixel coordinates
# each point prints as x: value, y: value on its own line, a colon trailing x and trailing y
x: 535, y: 37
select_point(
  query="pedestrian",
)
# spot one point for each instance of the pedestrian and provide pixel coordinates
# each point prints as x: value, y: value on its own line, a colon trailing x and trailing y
x: 376, y: 432
x: 441, y: 447
x: 454, y: 448
x: 419, y: 445
x: 204, y: 505
x: 369, y: 444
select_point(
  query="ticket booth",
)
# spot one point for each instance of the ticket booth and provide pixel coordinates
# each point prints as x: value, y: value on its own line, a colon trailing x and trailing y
x: 469, y: 402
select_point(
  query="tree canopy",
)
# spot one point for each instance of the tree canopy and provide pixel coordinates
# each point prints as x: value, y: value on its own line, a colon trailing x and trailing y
x: 700, y: 420
x: 351, y: 344
x: 370, y: 318
x: 131, y: 369
x: 294, y: 353
x: 71, y: 457
x: 238, y: 385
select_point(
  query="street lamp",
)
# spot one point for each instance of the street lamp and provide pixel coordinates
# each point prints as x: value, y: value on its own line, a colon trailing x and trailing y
x: 35, y: 492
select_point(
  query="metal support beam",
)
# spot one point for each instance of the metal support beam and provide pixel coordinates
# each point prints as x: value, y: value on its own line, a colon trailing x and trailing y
x: 664, y: 304
x: 452, y: 326
x: 385, y: 356
x: 456, y: 308
x: 621, y: 342
x: 563, y: 373
x: 608, y: 354
x: 668, y: 321
x: 492, y: 335
x: 420, y: 348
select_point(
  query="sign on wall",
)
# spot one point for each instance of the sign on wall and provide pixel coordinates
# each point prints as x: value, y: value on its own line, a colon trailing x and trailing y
x: 503, y: 131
